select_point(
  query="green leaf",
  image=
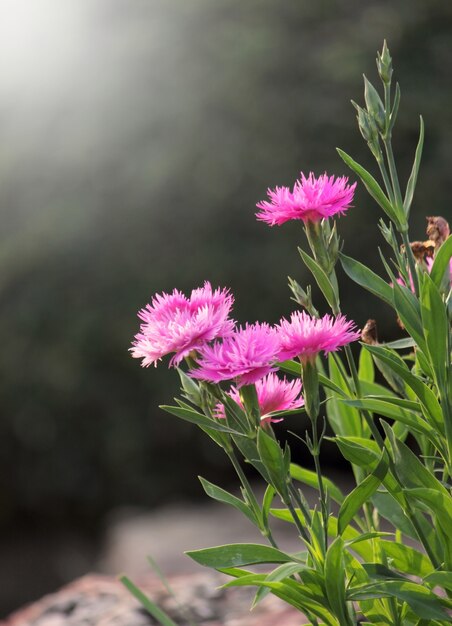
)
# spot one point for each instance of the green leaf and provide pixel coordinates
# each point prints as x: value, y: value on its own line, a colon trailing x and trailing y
x: 161, y: 617
x: 379, y: 571
x: 442, y: 579
x: 431, y: 407
x: 400, y: 344
x: 303, y: 598
x: 371, y: 185
x: 321, y: 279
x: 308, y: 477
x: 362, y: 493
x: 266, y: 504
x: 398, y: 413
x: 280, y: 573
x: 409, y: 311
x: 366, y: 278
x: 335, y: 579
x: 273, y: 458
x: 438, y: 502
x: 421, y: 600
x: 192, y: 416
x: 409, y: 468
x: 366, y: 370
x: 441, y: 262
x: 390, y: 508
x: 436, y: 329
x: 190, y: 387
x: 216, y: 493
x: 238, y: 554
x: 406, y: 559
x: 411, y: 186
x: 344, y: 420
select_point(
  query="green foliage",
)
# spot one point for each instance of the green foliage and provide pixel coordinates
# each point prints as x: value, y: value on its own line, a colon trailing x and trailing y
x: 347, y: 569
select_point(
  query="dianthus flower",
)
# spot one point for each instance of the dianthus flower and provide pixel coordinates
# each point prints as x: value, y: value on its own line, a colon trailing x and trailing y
x: 312, y: 199
x: 173, y: 323
x: 305, y: 336
x: 273, y: 394
x: 245, y: 356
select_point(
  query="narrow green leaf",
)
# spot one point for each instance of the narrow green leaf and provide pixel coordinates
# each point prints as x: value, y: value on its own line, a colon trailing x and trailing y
x: 194, y: 417
x: 321, y: 279
x: 303, y: 598
x: 442, y: 579
x: 410, y: 470
x: 366, y: 278
x: 371, y: 185
x: 420, y: 599
x: 431, y: 407
x: 366, y: 370
x: 436, y: 329
x: 361, y: 494
x: 308, y: 477
x: 406, y: 559
x: 272, y: 456
x: 280, y: 573
x: 441, y: 262
x: 335, y: 579
x: 161, y: 617
x: 219, y: 494
x: 409, y: 311
x: 267, y: 500
x: 401, y: 344
x: 238, y: 554
x: 439, y: 503
x: 411, y: 186
x: 379, y: 571
x: 393, y: 411
x: 344, y: 420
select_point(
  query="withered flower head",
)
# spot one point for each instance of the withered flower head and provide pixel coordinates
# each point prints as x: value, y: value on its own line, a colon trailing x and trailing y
x: 369, y: 333
x: 437, y: 230
x: 422, y: 249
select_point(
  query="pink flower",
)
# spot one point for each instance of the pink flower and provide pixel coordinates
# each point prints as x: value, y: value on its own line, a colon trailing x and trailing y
x: 274, y: 394
x: 312, y: 199
x: 305, y: 336
x: 245, y: 356
x: 175, y: 323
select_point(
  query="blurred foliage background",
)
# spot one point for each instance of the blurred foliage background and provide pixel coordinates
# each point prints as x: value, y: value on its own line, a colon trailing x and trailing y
x: 135, y: 139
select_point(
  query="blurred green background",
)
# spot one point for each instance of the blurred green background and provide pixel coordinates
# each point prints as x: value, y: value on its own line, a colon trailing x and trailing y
x: 136, y: 137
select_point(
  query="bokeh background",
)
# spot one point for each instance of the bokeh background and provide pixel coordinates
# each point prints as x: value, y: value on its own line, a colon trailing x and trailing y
x: 136, y: 137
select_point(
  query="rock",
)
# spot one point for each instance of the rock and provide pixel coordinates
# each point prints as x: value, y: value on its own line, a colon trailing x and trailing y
x: 103, y: 601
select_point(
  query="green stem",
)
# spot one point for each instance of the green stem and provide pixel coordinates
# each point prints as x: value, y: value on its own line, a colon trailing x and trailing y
x: 250, y: 495
x: 297, y: 521
x: 411, y: 261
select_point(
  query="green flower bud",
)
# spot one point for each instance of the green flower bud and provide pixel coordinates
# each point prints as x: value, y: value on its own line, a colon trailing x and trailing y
x: 374, y: 104
x: 384, y: 64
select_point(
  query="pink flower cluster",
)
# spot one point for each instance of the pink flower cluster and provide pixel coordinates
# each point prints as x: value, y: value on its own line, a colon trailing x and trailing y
x: 273, y: 394
x: 311, y: 199
x: 173, y: 323
x: 305, y: 336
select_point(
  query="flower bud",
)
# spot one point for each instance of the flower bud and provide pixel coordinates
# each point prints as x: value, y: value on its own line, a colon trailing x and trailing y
x: 366, y: 124
x: 374, y: 104
x: 302, y: 297
x: 384, y: 64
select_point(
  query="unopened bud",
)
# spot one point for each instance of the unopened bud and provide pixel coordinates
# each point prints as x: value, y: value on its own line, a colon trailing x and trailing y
x: 333, y: 245
x: 437, y: 230
x: 374, y: 104
x: 369, y: 333
x: 302, y: 297
x: 384, y: 64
